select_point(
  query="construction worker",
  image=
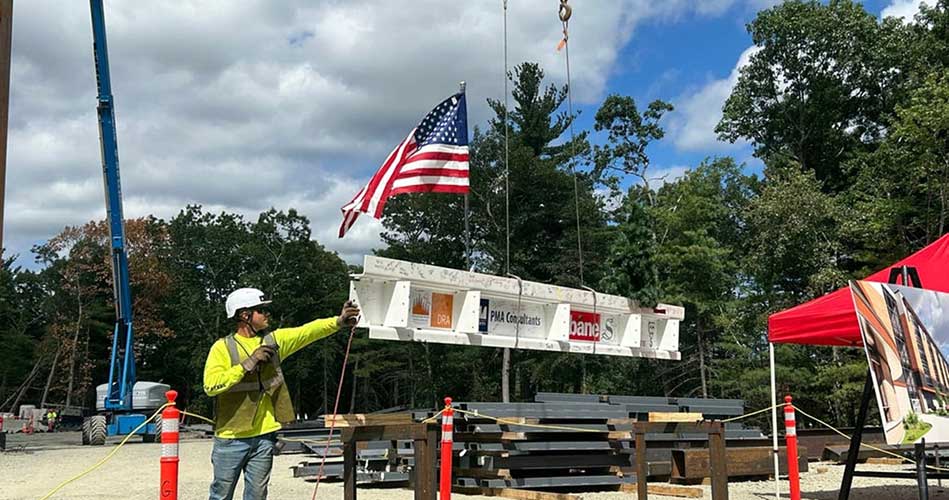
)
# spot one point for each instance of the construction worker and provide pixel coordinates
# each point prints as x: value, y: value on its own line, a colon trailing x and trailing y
x: 50, y: 420
x: 243, y: 373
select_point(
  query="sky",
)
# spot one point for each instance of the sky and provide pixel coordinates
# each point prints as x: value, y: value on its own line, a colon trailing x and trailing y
x: 244, y: 105
x: 933, y: 310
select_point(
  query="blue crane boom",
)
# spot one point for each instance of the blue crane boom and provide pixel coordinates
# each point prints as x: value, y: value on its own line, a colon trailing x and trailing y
x: 124, y: 401
x: 122, y: 362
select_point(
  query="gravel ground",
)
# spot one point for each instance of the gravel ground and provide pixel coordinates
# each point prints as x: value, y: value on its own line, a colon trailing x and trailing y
x: 39, y: 463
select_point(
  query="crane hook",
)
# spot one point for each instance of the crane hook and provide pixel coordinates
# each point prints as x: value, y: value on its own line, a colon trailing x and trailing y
x: 565, y: 11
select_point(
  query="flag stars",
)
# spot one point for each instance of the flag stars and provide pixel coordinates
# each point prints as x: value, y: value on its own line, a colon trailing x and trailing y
x: 442, y: 124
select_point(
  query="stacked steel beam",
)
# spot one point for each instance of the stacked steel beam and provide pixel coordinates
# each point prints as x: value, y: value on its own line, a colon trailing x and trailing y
x: 572, y: 440
x: 557, y: 441
x: 379, y: 462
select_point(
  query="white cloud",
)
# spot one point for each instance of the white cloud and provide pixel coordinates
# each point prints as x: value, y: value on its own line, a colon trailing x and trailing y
x: 662, y: 175
x: 904, y: 9
x: 692, y: 124
x: 243, y: 105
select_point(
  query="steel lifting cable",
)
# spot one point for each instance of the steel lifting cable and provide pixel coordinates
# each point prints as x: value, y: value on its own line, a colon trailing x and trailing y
x: 594, y: 314
x: 564, y: 13
x: 339, y: 392
x: 507, y: 170
x: 517, y: 320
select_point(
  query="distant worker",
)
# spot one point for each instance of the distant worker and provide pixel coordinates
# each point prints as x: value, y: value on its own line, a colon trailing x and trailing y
x: 243, y: 373
x: 50, y: 420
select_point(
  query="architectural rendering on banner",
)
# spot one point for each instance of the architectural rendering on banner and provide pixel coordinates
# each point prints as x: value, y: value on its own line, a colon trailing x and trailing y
x: 905, y: 333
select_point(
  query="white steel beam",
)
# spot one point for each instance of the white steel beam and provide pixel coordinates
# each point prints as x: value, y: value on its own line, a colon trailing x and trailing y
x: 406, y: 301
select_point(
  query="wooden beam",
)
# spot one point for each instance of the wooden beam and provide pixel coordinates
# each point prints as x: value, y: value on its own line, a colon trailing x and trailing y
x: 360, y: 419
x: 514, y: 493
x: 659, y: 416
x: 349, y: 470
x: 642, y: 473
x: 669, y: 490
x: 389, y: 432
x: 695, y: 464
x: 425, y: 464
x: 719, y: 463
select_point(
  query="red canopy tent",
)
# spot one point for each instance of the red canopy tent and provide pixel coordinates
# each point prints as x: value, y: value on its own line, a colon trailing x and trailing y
x: 831, y: 320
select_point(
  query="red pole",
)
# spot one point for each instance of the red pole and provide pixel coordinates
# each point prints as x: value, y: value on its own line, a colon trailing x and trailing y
x: 448, y: 428
x: 169, y: 449
x: 790, y: 434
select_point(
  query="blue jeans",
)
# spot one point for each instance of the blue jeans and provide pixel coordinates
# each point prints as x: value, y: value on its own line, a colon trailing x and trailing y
x: 253, y: 455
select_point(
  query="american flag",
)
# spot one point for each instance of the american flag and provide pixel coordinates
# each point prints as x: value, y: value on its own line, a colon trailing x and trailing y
x: 432, y: 159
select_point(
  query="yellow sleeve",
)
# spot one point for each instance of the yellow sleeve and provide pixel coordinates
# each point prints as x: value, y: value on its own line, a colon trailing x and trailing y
x: 219, y: 375
x: 291, y: 340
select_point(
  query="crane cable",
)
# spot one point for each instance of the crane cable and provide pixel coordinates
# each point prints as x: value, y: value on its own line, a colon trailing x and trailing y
x: 339, y: 392
x: 507, y: 170
x: 564, y: 13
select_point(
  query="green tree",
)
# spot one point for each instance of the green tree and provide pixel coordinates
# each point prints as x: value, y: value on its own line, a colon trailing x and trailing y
x: 903, y: 188
x: 23, y: 319
x: 622, y: 158
x: 793, y: 242
x: 428, y: 228
x: 629, y: 133
x: 700, y: 219
x: 543, y: 188
x: 930, y: 40
x: 631, y: 262
x: 820, y: 88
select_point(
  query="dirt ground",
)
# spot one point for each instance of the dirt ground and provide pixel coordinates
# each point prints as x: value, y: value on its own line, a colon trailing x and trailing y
x: 34, y: 465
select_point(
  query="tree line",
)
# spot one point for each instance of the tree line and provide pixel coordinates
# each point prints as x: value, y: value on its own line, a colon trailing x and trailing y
x: 848, y: 113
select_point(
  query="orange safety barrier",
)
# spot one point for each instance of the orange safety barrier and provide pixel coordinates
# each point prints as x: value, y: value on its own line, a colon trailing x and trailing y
x: 790, y: 434
x: 169, y: 449
x: 448, y: 429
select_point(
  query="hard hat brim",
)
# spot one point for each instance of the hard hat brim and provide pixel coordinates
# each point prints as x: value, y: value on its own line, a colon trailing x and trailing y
x: 261, y: 303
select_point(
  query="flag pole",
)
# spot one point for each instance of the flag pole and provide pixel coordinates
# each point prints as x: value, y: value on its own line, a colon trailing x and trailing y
x: 467, y: 211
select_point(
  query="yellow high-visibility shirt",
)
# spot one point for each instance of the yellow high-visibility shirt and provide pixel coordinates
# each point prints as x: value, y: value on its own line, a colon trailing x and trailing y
x: 220, y: 375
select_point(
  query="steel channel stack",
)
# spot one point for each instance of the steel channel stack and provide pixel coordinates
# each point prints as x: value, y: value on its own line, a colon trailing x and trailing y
x: 540, y: 445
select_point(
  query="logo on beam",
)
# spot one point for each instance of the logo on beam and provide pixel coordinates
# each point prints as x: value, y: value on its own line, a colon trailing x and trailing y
x: 584, y: 326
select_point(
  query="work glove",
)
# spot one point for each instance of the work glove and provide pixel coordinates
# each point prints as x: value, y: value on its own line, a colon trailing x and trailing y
x: 260, y: 355
x: 349, y: 316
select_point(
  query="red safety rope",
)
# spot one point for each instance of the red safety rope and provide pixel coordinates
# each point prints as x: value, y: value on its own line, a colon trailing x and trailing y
x: 339, y: 392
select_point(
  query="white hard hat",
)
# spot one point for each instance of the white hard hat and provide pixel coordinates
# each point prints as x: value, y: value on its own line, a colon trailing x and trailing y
x: 243, y: 298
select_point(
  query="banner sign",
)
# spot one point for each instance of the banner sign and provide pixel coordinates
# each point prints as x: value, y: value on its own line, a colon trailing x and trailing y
x: 584, y: 326
x: 905, y: 335
x: 431, y: 309
x: 421, y: 308
x: 441, y: 310
x: 505, y: 317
